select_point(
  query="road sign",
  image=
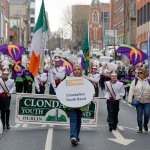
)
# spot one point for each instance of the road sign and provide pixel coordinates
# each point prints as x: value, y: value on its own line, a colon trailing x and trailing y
x: 75, y: 92
x: 46, y: 109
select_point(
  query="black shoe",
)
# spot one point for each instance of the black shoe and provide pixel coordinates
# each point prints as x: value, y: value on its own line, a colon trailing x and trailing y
x: 146, y: 128
x: 7, y: 126
x: 114, y: 128
x: 139, y: 131
x: 3, y: 127
x: 74, y: 141
x: 110, y: 128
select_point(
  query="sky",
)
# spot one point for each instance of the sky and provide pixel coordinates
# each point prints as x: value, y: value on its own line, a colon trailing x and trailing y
x: 55, y: 9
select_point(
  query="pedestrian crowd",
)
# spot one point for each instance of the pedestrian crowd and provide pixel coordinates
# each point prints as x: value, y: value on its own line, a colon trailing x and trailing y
x: 117, y: 81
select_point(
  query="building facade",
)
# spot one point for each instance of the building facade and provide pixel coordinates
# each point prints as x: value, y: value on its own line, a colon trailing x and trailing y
x: 32, y: 17
x: 4, y: 22
x: 142, y: 23
x: 123, y: 20
x: 19, y: 22
x: 98, y: 15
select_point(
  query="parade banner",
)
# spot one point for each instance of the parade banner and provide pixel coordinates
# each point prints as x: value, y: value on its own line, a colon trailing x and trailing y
x: 75, y: 92
x: 46, y: 109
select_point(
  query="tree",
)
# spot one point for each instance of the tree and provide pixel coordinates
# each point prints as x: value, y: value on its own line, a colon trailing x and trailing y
x: 76, y: 19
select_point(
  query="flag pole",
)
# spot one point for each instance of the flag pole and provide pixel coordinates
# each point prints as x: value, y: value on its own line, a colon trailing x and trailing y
x: 148, y: 52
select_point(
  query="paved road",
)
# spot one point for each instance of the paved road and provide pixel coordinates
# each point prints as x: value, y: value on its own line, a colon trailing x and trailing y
x: 33, y: 137
x: 38, y: 137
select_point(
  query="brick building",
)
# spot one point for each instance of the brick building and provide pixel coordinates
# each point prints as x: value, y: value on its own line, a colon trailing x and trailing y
x: 98, y: 15
x: 19, y: 22
x: 123, y: 20
x: 142, y: 23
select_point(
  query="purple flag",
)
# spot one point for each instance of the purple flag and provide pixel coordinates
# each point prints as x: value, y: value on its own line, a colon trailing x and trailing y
x: 82, y: 62
x: 135, y: 55
x: 67, y: 64
x: 13, y: 51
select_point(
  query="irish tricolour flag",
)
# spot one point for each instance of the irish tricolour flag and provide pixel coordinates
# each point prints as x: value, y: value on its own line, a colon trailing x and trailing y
x: 37, y: 40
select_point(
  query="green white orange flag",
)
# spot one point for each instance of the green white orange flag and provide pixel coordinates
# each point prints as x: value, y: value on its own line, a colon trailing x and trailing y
x: 36, y: 44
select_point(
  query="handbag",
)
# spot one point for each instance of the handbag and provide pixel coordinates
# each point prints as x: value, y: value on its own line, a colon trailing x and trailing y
x: 135, y: 102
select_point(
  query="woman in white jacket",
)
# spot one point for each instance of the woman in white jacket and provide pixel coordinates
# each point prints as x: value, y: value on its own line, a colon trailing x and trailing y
x: 140, y: 89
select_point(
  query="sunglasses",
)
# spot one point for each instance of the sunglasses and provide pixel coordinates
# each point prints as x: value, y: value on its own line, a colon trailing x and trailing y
x: 140, y: 73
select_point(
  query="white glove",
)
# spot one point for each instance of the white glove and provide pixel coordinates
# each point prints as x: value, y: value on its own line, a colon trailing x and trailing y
x: 38, y: 90
x: 55, y: 90
x: 0, y: 91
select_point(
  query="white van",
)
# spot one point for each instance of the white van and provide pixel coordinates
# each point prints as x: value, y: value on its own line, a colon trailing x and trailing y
x: 105, y: 59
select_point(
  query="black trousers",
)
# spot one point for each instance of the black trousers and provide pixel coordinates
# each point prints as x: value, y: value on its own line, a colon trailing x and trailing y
x: 5, y: 109
x: 112, y: 109
x: 42, y: 90
x: 19, y: 87
x: 96, y: 92
x: 27, y: 86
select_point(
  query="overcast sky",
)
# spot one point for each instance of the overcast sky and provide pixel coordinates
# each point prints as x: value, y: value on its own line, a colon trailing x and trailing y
x: 55, y: 9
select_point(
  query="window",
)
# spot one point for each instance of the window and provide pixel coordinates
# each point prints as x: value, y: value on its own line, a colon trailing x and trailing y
x: 138, y: 18
x: 32, y: 20
x: 119, y: 26
x: 32, y: 11
x: 95, y: 33
x: 119, y: 11
x: 148, y: 14
x: 145, y: 14
x: 31, y: 29
x: 95, y: 16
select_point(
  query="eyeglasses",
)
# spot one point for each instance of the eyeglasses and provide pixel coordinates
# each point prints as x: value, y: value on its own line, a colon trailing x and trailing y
x: 140, y: 73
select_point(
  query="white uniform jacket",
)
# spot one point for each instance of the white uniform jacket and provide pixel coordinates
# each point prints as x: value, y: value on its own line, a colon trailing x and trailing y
x: 118, y: 89
x: 7, y: 86
x: 56, y: 73
x: 40, y: 79
x: 94, y: 78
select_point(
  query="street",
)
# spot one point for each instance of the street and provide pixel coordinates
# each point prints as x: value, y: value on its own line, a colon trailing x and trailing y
x: 41, y: 137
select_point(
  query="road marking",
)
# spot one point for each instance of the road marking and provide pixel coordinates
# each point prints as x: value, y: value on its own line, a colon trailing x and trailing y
x: 25, y: 125
x: 130, y: 105
x: 17, y: 125
x: 48, y: 144
x: 120, y: 139
x: 121, y: 128
x: 124, y: 101
x: 44, y: 125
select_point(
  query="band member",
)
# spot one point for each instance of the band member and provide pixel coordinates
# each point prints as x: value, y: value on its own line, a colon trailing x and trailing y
x: 19, y: 80
x: 114, y: 91
x: 40, y: 81
x: 94, y: 77
x: 7, y: 86
x: 57, y: 74
x: 28, y: 80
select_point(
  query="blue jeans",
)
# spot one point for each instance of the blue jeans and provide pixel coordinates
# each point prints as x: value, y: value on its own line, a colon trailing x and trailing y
x: 143, y: 108
x: 75, y: 123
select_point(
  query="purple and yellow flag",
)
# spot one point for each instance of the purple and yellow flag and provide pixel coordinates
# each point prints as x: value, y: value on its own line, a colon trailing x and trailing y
x: 13, y: 51
x: 67, y: 64
x: 134, y: 54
